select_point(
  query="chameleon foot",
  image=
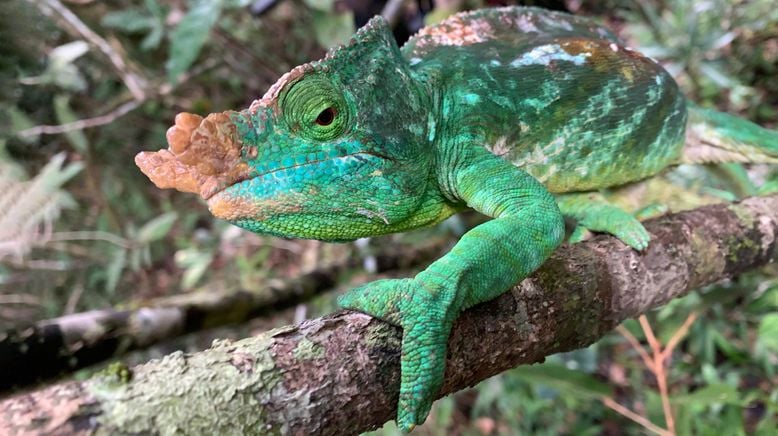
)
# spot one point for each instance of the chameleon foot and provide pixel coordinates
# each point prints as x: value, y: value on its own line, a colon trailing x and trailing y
x: 425, y: 317
x: 614, y: 221
x: 651, y: 211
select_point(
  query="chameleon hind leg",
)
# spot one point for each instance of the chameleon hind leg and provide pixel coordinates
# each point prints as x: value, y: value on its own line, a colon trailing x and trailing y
x: 594, y: 213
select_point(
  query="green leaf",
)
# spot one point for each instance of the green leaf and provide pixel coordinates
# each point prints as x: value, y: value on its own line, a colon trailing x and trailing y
x: 65, y: 115
x: 197, y: 266
x: 709, y: 395
x: 320, y: 5
x: 153, y: 39
x: 768, y: 331
x: 67, y: 53
x: 20, y: 121
x: 130, y: 21
x: 61, y: 71
x: 114, y: 270
x: 155, y: 9
x: 157, y: 228
x: 333, y: 29
x: 151, y: 22
x: 716, y: 75
x: 189, y: 36
x: 563, y: 379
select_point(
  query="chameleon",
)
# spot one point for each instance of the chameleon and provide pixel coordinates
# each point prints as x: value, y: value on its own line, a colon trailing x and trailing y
x: 522, y: 114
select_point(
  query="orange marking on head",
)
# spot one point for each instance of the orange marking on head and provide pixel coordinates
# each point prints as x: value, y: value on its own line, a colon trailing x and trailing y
x: 456, y: 30
x: 270, y: 99
x: 230, y: 207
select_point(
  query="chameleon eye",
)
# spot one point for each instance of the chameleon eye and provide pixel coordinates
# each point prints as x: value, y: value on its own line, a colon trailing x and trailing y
x: 315, y: 109
x: 326, y: 117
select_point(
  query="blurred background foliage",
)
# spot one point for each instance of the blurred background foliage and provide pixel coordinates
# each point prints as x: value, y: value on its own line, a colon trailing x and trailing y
x: 85, y: 85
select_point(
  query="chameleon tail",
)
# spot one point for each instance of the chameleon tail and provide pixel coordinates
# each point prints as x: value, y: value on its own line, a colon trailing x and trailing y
x: 713, y: 137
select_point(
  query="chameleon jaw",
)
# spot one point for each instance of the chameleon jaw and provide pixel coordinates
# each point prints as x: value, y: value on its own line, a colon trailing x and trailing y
x: 203, y: 156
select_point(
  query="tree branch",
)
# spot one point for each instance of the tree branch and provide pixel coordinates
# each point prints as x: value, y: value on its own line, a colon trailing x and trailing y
x: 53, y: 347
x: 340, y: 374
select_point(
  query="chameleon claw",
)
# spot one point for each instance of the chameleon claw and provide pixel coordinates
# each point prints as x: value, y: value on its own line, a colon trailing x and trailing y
x: 580, y: 234
x: 380, y: 299
x: 615, y: 222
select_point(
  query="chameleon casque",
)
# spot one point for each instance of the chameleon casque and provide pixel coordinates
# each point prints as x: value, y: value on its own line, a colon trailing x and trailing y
x: 519, y: 113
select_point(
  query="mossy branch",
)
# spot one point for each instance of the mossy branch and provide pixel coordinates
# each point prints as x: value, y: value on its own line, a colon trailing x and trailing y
x: 55, y: 347
x: 340, y: 374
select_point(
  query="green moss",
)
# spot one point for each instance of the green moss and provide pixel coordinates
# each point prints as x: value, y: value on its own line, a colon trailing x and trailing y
x: 307, y: 349
x: 742, y: 213
x: 219, y: 391
x: 736, y: 245
x: 114, y: 375
x: 711, y: 262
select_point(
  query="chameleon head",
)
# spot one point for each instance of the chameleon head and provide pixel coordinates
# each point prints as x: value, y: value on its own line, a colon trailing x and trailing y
x: 337, y: 149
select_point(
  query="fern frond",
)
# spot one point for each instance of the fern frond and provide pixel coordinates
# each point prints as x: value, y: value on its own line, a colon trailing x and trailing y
x: 28, y: 208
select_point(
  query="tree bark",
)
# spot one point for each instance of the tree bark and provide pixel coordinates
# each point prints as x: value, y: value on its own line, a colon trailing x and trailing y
x: 339, y: 374
x: 57, y: 346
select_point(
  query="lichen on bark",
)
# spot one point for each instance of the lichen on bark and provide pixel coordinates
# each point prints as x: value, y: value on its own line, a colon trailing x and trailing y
x: 219, y: 391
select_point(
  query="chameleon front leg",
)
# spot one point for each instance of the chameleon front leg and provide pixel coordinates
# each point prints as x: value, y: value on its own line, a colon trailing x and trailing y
x: 482, y: 265
x: 593, y: 212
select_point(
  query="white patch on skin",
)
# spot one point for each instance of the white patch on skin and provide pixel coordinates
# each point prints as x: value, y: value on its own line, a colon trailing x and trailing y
x: 457, y: 30
x: 525, y: 24
x: 544, y: 54
x: 500, y: 146
x: 555, y: 23
x: 541, y: 155
x: 370, y: 214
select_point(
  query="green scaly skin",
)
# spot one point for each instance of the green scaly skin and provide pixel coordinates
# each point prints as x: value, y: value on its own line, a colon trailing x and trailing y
x: 496, y: 110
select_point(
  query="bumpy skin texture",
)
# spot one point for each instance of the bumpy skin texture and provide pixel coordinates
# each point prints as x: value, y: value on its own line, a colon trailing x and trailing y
x: 493, y: 110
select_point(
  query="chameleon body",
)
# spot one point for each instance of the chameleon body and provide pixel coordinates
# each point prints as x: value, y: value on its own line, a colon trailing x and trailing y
x: 514, y: 112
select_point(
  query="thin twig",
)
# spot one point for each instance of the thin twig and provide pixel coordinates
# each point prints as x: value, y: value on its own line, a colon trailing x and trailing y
x: 91, y: 236
x: 656, y: 347
x: 110, y: 117
x: 391, y: 11
x: 661, y: 379
x: 658, y: 368
x: 75, y: 296
x: 55, y: 9
x: 636, y: 345
x: 621, y: 410
x: 120, y: 111
x: 19, y: 299
x: 678, y: 335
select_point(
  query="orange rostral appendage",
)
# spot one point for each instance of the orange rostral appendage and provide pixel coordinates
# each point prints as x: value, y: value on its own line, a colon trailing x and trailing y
x: 203, y: 156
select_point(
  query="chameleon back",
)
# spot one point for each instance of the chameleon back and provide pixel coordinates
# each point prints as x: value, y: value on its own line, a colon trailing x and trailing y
x: 555, y: 94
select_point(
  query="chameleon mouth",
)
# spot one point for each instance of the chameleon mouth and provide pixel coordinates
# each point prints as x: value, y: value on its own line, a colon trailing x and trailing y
x: 238, y: 204
x: 203, y: 155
